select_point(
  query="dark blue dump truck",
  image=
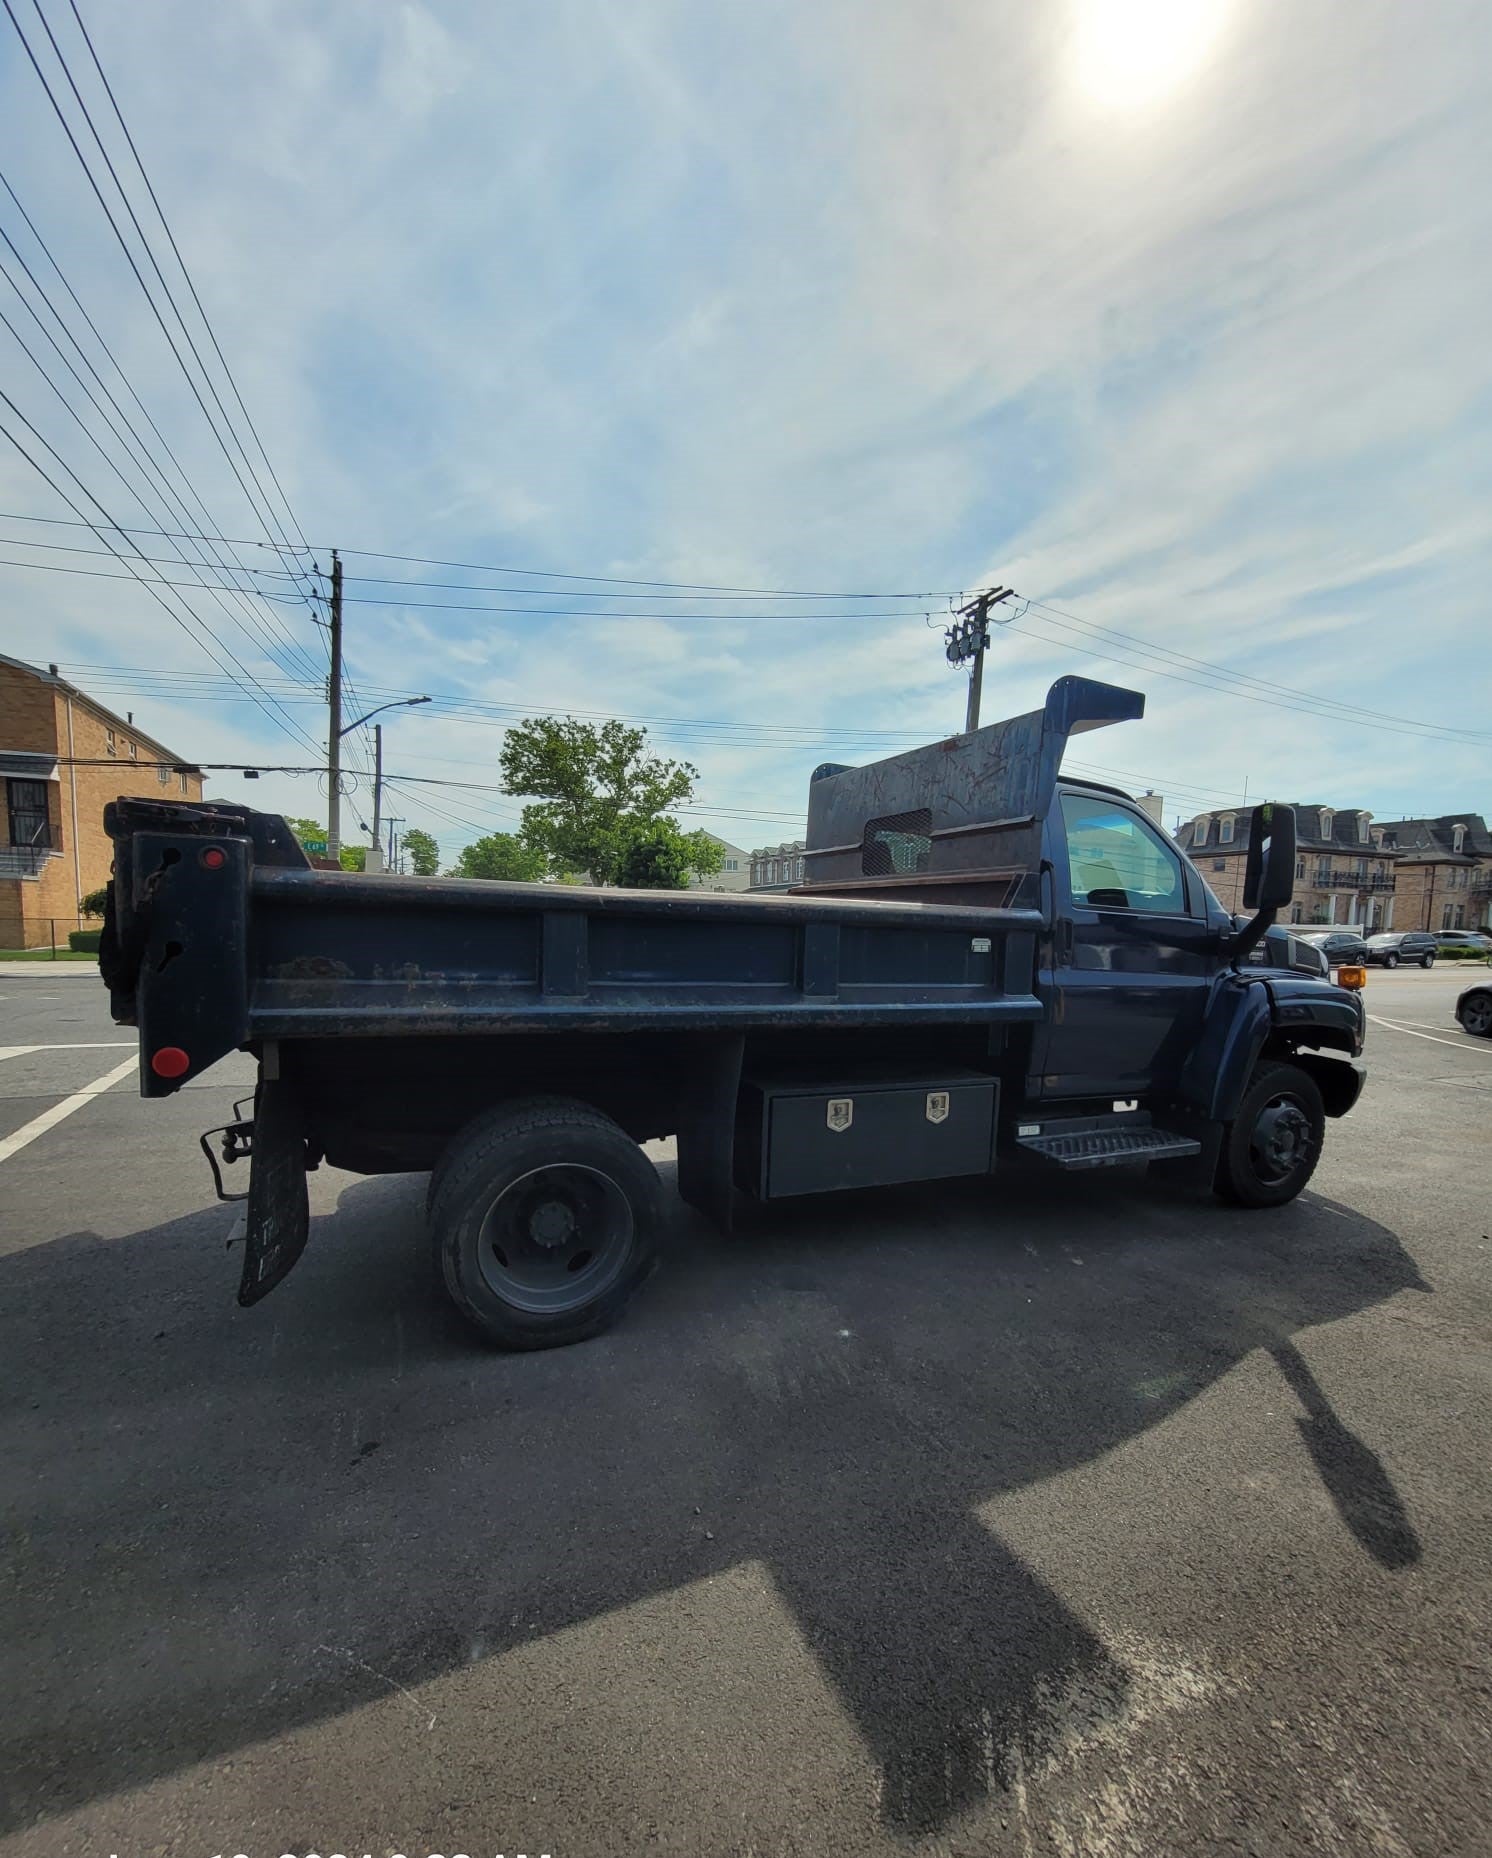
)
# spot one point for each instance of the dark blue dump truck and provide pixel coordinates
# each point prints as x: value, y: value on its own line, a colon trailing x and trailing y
x: 989, y: 965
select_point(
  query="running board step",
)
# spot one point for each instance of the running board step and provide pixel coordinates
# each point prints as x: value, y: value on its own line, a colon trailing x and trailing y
x: 1109, y: 1148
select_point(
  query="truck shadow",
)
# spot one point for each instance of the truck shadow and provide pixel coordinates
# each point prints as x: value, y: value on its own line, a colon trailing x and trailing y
x: 260, y: 1519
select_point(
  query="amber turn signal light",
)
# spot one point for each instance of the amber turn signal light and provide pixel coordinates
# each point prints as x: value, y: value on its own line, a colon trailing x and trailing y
x: 1352, y: 977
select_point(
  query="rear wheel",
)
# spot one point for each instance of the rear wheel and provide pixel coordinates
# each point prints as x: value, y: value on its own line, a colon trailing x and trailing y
x: 1427, y: 961
x: 1390, y: 960
x: 544, y: 1218
x: 1271, y: 1147
x: 1475, y: 1014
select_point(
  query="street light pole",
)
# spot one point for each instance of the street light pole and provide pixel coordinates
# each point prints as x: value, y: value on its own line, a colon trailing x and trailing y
x: 399, y: 703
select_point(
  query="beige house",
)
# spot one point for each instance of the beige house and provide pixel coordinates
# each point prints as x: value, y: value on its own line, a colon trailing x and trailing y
x: 734, y: 872
x: 53, y: 847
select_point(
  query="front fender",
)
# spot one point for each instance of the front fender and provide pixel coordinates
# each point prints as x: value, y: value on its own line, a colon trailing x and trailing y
x: 1237, y: 1022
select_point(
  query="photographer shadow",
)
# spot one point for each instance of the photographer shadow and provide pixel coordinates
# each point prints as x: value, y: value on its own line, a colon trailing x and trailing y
x: 250, y: 1512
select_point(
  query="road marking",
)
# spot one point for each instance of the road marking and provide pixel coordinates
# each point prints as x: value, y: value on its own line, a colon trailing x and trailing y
x: 88, y: 1045
x: 1404, y: 1025
x: 1459, y: 1045
x: 49, y: 1119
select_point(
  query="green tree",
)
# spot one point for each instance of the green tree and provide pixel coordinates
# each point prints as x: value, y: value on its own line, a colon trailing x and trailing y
x: 424, y: 853
x: 503, y: 856
x: 353, y: 857
x: 661, y: 857
x: 594, y: 791
x: 306, y: 828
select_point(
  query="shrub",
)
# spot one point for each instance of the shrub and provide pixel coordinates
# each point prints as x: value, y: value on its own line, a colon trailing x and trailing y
x: 84, y: 941
x: 95, y: 902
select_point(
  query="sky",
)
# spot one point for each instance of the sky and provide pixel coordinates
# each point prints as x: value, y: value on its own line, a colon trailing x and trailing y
x: 1169, y: 314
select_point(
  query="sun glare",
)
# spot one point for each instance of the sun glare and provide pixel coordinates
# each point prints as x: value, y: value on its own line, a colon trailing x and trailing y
x: 1131, y: 53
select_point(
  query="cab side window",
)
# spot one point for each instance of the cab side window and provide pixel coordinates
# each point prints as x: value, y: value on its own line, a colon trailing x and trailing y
x: 1117, y: 863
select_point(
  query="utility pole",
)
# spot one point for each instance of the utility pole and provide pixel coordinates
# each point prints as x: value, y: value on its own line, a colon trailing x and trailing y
x: 375, y: 856
x: 334, y: 727
x: 391, y: 822
x: 970, y: 640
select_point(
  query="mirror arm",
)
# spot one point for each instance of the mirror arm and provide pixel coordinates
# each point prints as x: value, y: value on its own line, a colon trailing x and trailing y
x: 1238, y: 945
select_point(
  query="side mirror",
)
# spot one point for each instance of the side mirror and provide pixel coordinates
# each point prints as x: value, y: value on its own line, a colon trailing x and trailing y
x: 1269, y: 872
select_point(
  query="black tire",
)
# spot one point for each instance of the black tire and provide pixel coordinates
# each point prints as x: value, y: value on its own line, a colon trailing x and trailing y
x: 1271, y: 1147
x: 545, y: 1219
x: 1475, y: 1013
x: 1390, y: 960
x: 1427, y: 961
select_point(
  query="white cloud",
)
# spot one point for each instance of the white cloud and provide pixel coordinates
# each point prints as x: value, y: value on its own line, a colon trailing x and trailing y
x: 854, y: 296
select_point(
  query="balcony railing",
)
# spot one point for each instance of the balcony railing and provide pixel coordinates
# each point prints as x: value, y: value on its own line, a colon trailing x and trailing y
x: 1325, y: 878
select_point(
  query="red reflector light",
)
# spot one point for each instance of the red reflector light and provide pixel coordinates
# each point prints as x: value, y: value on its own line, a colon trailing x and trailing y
x: 170, y: 1061
x: 214, y: 858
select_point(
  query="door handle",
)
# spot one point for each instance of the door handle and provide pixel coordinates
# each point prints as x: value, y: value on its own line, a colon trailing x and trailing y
x: 1062, y: 941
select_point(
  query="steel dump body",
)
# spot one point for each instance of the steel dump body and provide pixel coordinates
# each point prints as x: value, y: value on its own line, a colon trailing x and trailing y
x: 333, y: 955
x: 221, y: 951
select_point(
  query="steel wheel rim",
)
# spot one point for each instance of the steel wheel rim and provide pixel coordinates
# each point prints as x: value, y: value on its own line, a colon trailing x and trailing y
x: 1476, y: 1016
x: 555, y: 1238
x: 1282, y: 1140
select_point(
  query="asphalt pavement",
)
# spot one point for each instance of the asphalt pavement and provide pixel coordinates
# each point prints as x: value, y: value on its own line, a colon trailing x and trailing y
x: 1055, y: 1517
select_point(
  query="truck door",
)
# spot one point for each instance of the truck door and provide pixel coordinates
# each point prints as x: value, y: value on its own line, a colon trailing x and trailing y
x: 1127, y: 966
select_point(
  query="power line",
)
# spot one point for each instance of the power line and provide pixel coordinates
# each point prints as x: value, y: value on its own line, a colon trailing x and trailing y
x: 257, y: 639
x: 373, y: 554
x: 1269, y: 684
x: 730, y: 732
x: 176, y: 250
x: 513, y: 612
x: 300, y: 575
x: 134, y: 267
x: 288, y: 726
x: 1315, y: 707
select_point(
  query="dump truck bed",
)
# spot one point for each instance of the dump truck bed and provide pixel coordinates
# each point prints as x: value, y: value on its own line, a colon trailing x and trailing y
x: 222, y: 936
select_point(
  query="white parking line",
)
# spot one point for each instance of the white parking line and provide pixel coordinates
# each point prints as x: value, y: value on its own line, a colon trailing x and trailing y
x: 1459, y: 1045
x: 87, y: 1045
x: 49, y: 1119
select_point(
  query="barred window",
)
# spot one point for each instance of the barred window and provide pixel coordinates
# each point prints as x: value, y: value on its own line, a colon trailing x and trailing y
x: 897, y: 845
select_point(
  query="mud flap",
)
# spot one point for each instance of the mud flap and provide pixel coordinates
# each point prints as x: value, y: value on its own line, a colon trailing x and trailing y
x: 707, y: 1129
x: 279, y: 1207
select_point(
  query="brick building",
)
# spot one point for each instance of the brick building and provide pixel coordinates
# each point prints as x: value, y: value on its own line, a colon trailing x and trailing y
x: 1343, y: 871
x: 53, y: 848
x: 1402, y: 874
x: 1443, y: 871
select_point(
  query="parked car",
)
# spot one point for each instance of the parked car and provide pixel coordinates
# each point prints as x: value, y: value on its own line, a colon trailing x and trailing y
x: 1476, y: 941
x: 1474, y: 1010
x: 1396, y: 945
x: 1340, y: 946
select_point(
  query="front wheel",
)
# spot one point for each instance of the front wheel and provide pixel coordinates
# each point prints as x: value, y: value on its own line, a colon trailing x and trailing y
x: 1475, y: 1014
x: 1390, y: 961
x: 1272, y: 1145
x: 1427, y: 961
x: 545, y: 1219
